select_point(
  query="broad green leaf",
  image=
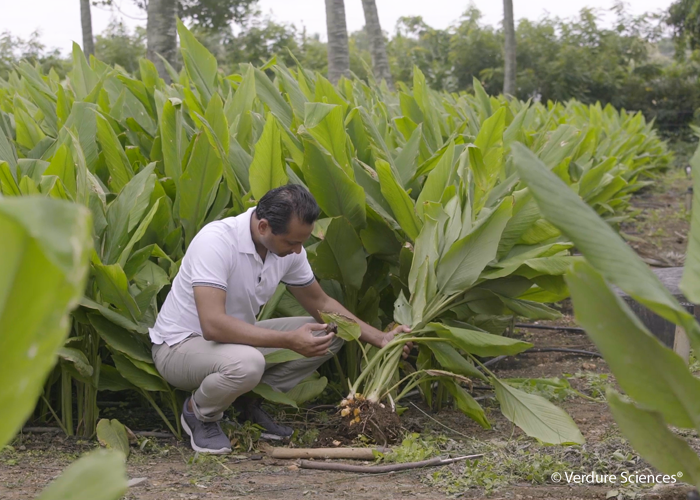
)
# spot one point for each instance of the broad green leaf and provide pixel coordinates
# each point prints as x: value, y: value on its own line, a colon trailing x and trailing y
x: 307, y: 390
x: 267, y: 169
x: 111, y: 380
x: 198, y: 186
x: 525, y: 214
x: 426, y: 247
x: 668, y: 388
x: 690, y: 284
x: 479, y: 343
x: 559, y: 145
x: 378, y: 237
x: 173, y: 139
x: 63, y: 166
x: 99, y: 475
x: 399, y: 201
x: 293, y: 90
x: 407, y: 159
x: 438, y: 179
x: 490, y: 141
x: 78, y: 359
x: 379, y: 146
x: 138, y: 234
x: 149, y: 75
x: 528, y: 309
x: 424, y: 293
x: 112, y: 435
x: 598, y: 242
x: 466, y: 403
x: 281, y: 356
x: 403, y: 312
x: 324, y: 122
x: 536, y: 416
x: 269, y: 308
x: 653, y: 440
x: 272, y: 98
x: 453, y: 361
x: 82, y: 78
x: 83, y: 122
x: 118, y: 164
x: 242, y: 100
x: 340, y: 255
x: 114, y: 288
x: 348, y: 329
x: 137, y: 376
x: 7, y: 150
x: 421, y: 92
x: 120, y: 339
x: 335, y: 191
x: 113, y: 316
x: 462, y: 264
x: 43, y: 270
x: 7, y: 181
x: 29, y: 134
x: 268, y: 393
x: 201, y: 65
x: 482, y: 98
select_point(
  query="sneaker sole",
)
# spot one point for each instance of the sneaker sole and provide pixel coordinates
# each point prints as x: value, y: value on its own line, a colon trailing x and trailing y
x: 186, y: 428
x: 273, y: 437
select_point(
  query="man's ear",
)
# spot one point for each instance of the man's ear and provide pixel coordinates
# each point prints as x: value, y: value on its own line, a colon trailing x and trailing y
x: 263, y: 226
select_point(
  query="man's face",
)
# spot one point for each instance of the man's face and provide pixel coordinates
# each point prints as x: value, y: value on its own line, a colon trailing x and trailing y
x: 284, y: 244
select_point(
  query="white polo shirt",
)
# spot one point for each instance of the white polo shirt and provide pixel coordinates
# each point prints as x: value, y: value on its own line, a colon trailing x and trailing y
x: 223, y: 255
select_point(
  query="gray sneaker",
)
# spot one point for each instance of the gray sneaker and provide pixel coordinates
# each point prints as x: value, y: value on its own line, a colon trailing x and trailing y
x: 250, y: 409
x: 205, y: 437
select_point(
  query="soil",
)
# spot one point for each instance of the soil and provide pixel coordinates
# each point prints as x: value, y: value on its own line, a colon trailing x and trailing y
x: 659, y: 231
x: 513, y: 466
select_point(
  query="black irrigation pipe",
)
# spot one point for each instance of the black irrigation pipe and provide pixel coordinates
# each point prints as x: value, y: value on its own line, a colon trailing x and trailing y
x: 545, y: 349
x: 57, y: 430
x: 571, y: 329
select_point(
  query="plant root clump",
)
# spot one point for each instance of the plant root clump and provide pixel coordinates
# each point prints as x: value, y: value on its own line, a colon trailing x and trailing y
x: 373, y: 420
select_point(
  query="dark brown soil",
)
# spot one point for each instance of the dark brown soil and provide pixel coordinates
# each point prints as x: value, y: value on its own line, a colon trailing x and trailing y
x: 659, y: 232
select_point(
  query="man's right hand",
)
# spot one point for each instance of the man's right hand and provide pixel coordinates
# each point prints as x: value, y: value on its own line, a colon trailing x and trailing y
x: 305, y: 342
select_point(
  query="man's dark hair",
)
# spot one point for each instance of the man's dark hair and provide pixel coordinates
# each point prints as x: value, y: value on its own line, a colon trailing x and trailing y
x: 278, y: 205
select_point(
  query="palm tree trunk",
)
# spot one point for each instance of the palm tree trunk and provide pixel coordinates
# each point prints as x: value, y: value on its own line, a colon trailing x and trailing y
x: 380, y: 61
x: 510, y: 64
x: 161, y: 32
x: 338, y: 49
x: 86, y: 22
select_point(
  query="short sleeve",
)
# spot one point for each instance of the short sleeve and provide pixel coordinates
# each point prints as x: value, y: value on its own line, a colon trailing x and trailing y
x: 210, y: 260
x: 299, y: 272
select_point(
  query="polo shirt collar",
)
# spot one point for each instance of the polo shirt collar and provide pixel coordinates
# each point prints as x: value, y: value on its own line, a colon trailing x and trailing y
x: 245, y: 239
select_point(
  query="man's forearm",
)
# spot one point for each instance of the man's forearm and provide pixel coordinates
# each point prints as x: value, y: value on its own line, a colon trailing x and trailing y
x: 369, y: 334
x: 229, y: 330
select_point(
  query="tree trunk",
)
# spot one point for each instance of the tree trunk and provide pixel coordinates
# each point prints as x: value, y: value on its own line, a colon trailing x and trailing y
x: 161, y: 32
x: 509, y: 28
x: 380, y: 61
x: 86, y: 22
x: 338, y: 49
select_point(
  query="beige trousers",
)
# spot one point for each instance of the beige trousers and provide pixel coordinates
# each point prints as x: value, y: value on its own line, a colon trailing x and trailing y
x: 219, y: 373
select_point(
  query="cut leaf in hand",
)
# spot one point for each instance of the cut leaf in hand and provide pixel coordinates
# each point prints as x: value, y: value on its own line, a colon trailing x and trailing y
x: 348, y: 329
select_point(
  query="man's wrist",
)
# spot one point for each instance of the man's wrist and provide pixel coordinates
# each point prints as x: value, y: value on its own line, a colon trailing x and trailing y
x: 375, y: 337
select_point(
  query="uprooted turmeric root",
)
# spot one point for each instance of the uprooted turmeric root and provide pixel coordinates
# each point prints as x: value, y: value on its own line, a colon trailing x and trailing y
x: 373, y: 420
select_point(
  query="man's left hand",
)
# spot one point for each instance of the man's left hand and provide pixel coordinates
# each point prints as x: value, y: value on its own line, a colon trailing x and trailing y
x: 389, y: 336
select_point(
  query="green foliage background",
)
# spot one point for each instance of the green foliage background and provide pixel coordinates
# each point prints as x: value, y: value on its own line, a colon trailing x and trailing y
x: 636, y: 63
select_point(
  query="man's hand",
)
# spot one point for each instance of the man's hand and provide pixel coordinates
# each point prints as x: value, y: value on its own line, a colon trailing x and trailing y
x: 303, y: 340
x: 389, y: 336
